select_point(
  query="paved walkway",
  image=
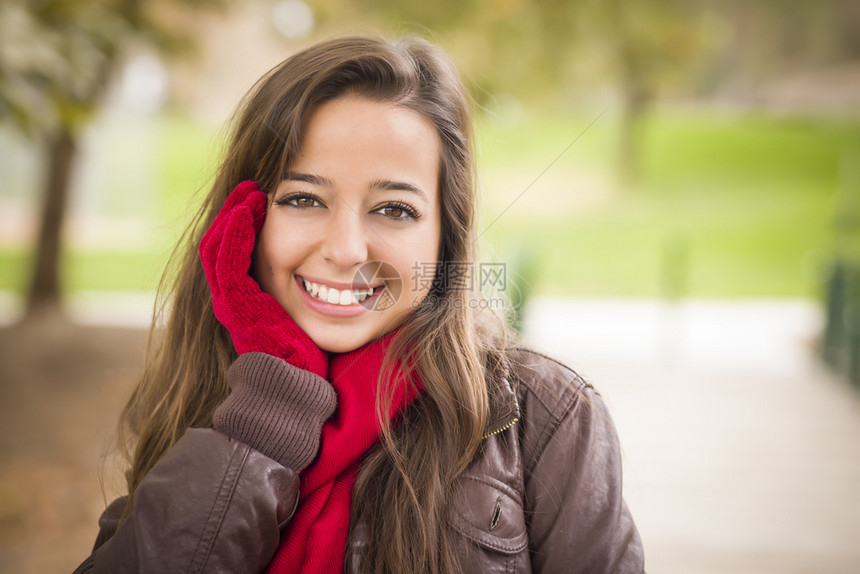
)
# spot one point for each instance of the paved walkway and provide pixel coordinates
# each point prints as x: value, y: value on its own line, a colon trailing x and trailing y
x: 742, y: 453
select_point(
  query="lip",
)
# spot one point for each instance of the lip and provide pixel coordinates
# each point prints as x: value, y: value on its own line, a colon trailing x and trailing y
x: 331, y: 309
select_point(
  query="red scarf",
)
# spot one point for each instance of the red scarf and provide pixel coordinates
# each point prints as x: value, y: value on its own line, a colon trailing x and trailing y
x: 315, y: 539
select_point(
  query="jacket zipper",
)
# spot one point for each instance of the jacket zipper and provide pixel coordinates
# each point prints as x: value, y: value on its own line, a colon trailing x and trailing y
x: 502, y: 429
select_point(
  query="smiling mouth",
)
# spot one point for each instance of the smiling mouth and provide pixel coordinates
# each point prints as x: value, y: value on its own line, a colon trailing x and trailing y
x: 334, y: 296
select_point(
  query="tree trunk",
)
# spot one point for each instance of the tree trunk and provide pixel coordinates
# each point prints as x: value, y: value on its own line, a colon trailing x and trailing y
x: 634, y: 106
x: 45, y: 290
x: 635, y: 100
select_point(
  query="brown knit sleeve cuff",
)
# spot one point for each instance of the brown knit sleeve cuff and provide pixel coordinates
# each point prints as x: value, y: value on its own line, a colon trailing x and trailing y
x: 275, y: 408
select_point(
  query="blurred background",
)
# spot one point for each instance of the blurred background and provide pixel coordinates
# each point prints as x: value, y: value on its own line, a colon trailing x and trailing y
x: 673, y: 185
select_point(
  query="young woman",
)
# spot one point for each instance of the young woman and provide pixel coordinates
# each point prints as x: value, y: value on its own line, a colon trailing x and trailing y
x: 329, y: 394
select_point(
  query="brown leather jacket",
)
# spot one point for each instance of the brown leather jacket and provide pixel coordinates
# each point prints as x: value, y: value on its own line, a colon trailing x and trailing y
x: 542, y: 495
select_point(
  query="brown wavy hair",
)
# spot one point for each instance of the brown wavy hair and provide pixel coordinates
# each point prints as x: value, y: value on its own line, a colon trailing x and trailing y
x: 401, y: 494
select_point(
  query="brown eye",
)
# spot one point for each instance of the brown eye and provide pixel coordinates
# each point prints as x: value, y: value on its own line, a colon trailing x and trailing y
x: 300, y: 201
x: 304, y: 202
x: 398, y: 211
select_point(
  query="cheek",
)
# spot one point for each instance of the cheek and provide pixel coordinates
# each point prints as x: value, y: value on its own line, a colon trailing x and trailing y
x: 273, y: 255
x: 416, y: 265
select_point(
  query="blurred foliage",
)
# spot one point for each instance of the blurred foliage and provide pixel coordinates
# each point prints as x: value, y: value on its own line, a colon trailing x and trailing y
x: 565, y: 48
x: 523, y: 274
x: 566, y: 51
x: 840, y: 341
x: 57, y: 56
x: 57, y: 59
x: 536, y: 47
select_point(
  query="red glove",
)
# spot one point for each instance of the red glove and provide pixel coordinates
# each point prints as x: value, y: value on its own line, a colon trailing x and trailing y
x: 255, y: 320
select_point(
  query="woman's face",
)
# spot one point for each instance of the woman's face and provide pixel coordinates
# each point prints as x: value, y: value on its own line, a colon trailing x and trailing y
x: 364, y: 190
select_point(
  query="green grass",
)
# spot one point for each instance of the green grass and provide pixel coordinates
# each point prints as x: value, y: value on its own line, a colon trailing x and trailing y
x: 723, y: 247
x: 90, y: 271
x: 728, y: 205
x: 748, y: 202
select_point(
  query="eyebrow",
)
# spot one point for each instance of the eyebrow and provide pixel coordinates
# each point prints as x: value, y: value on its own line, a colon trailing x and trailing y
x: 307, y: 178
x: 391, y: 185
x: 379, y: 184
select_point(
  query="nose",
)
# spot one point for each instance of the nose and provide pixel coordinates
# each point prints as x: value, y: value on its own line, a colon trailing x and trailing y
x: 345, y: 243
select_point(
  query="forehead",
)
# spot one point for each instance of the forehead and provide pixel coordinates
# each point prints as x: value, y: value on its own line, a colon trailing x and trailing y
x: 356, y: 137
x: 353, y: 121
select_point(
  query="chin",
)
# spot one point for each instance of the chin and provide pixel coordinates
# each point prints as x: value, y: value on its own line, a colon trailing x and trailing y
x: 334, y: 338
x: 338, y: 342
x: 336, y: 347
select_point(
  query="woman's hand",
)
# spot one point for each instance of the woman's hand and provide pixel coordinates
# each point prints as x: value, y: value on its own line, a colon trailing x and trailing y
x: 255, y: 320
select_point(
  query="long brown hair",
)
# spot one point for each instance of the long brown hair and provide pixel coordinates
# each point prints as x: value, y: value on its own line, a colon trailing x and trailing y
x: 401, y: 494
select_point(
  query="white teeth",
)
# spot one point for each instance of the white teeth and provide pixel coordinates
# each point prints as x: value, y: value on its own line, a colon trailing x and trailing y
x: 333, y: 296
x: 336, y: 296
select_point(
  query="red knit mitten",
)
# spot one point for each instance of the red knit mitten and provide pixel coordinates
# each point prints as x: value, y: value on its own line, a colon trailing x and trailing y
x: 255, y: 320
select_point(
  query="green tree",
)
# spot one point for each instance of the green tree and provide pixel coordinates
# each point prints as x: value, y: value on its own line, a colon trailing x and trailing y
x: 537, y: 47
x: 57, y: 58
x: 650, y: 43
